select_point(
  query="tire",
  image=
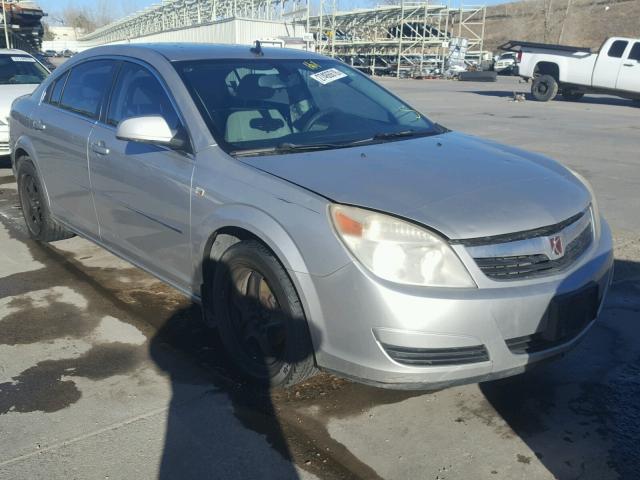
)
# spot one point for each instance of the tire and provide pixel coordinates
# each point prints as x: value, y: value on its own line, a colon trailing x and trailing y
x: 572, y: 95
x: 250, y: 291
x: 35, y: 210
x: 544, y: 88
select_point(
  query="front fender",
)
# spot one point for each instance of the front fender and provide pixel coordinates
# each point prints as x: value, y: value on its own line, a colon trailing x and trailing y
x: 273, y: 234
x: 255, y: 221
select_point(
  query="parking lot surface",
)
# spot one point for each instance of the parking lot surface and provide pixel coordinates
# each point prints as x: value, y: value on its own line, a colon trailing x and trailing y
x: 106, y: 373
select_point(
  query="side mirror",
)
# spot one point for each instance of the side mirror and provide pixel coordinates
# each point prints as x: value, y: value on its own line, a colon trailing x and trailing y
x: 149, y: 129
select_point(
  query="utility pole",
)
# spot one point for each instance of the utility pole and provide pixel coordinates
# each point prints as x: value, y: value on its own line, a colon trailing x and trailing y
x: 400, y: 39
x: 6, y: 29
x: 564, y: 21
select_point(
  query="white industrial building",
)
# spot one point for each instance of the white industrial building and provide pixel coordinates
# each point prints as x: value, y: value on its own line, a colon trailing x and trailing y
x: 228, y: 30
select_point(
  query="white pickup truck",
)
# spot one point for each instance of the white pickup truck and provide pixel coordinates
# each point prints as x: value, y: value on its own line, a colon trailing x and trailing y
x: 574, y: 71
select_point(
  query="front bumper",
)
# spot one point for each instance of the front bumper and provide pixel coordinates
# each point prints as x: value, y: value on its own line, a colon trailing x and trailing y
x: 359, y: 316
x: 4, y: 140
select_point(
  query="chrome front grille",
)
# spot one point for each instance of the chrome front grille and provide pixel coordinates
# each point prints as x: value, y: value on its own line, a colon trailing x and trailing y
x: 532, y: 256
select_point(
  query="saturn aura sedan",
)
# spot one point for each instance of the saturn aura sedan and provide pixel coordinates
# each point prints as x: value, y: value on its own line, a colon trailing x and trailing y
x: 321, y: 221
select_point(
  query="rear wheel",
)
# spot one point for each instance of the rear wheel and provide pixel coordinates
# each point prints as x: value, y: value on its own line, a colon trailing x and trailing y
x: 544, y: 88
x: 572, y: 95
x: 40, y: 224
x: 260, y: 318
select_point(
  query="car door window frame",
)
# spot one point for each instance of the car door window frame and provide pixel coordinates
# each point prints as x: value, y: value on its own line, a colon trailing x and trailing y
x: 635, y: 50
x: 60, y: 79
x: 615, y: 44
x: 188, y: 151
x: 93, y: 118
x: 66, y: 74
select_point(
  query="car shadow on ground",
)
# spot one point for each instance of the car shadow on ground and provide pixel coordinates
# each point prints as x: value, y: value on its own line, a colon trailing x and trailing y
x: 587, y: 99
x: 202, y: 440
x: 580, y: 415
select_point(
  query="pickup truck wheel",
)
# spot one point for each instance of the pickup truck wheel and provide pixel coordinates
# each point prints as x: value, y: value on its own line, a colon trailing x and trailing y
x: 572, y: 95
x: 40, y: 224
x: 544, y: 88
x: 260, y: 318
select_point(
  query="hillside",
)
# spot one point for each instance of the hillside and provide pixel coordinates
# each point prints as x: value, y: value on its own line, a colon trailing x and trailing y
x: 584, y: 23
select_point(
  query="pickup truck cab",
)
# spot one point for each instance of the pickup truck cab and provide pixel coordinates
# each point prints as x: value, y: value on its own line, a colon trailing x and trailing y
x: 574, y: 71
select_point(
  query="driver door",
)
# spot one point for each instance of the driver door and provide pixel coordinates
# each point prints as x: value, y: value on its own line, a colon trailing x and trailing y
x: 142, y: 191
x: 629, y: 76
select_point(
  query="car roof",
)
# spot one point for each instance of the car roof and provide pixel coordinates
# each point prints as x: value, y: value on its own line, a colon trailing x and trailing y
x: 12, y: 51
x: 200, y: 51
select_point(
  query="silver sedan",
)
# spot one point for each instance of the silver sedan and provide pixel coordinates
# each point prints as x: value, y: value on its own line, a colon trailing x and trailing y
x: 320, y: 220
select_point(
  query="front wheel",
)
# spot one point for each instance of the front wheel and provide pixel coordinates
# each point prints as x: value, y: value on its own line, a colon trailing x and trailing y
x: 544, y: 88
x: 260, y: 317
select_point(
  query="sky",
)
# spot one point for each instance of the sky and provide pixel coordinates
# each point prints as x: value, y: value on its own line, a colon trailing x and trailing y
x: 124, y: 7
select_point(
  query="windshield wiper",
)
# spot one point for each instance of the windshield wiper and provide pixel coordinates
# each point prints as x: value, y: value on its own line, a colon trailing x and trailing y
x: 404, y: 133
x: 287, y: 147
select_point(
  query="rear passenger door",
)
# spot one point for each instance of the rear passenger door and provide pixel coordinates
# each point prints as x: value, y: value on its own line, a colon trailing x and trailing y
x: 608, y: 63
x: 62, y: 125
x: 142, y: 191
x: 629, y: 76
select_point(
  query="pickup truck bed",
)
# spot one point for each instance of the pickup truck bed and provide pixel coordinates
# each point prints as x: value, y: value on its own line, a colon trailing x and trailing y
x: 517, y: 45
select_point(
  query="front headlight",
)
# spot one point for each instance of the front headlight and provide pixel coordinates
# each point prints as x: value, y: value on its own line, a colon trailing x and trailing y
x: 397, y: 250
x: 4, y: 122
x: 595, y: 211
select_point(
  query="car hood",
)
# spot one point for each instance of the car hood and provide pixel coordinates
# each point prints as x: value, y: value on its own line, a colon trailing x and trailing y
x: 461, y: 186
x: 8, y: 93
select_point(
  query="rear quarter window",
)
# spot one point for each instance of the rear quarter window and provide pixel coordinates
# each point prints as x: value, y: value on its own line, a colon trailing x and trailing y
x: 56, y: 89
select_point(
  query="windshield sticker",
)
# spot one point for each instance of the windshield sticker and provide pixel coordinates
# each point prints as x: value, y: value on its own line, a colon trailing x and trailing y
x: 311, y: 65
x: 23, y: 59
x: 328, y: 76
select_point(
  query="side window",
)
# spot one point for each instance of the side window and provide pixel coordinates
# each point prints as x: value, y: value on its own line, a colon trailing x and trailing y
x: 635, y: 52
x: 56, y: 89
x: 617, y: 48
x: 138, y: 93
x: 86, y: 87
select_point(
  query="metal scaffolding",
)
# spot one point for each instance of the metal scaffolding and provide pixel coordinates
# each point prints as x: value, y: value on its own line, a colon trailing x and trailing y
x: 387, y: 38
x: 396, y: 37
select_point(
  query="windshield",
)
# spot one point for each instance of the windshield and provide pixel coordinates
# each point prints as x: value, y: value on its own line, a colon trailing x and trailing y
x: 20, y: 69
x: 267, y: 106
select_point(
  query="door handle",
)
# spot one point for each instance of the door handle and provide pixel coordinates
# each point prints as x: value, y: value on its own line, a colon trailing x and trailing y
x: 628, y: 64
x: 38, y: 125
x: 100, y: 148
